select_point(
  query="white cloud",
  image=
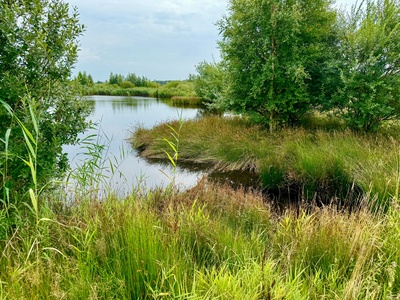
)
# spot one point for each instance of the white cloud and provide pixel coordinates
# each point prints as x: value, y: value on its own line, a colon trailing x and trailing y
x: 159, y: 39
x: 89, y: 54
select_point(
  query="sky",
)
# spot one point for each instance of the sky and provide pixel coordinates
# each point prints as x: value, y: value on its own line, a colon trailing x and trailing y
x: 157, y: 39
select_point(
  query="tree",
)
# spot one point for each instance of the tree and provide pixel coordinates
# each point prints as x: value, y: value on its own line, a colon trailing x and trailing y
x: 370, y: 48
x: 209, y: 84
x: 38, y: 49
x: 84, y: 79
x: 115, y: 79
x: 270, y: 49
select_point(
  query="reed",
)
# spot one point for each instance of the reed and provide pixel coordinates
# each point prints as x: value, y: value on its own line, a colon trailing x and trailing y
x: 188, y: 245
x: 188, y: 101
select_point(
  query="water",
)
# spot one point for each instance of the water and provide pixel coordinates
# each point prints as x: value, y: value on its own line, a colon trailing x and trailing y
x: 117, y: 118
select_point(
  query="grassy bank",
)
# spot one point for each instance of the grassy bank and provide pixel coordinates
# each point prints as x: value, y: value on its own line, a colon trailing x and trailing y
x: 207, y: 243
x: 180, y: 89
x: 316, y: 162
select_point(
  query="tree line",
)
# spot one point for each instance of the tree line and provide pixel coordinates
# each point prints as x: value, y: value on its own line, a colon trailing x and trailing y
x: 131, y: 80
x: 283, y: 59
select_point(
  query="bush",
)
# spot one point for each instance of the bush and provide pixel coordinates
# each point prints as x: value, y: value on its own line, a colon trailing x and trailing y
x: 127, y: 85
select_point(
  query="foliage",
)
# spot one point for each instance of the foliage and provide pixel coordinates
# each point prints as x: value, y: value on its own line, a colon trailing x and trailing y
x: 270, y: 50
x: 370, y: 71
x: 207, y: 243
x: 84, y: 79
x: 176, y: 88
x: 38, y: 48
x: 127, y: 85
x: 138, y: 81
x: 115, y: 79
x: 209, y: 84
x: 314, y: 164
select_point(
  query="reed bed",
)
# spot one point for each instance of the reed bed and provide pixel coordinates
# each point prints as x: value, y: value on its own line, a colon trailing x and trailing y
x: 189, y: 101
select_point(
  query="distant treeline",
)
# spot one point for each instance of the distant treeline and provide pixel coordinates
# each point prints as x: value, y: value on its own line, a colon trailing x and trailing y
x: 182, y: 91
x: 131, y: 80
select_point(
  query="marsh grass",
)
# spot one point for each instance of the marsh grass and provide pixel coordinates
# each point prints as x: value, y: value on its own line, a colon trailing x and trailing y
x: 206, y: 243
x: 209, y: 242
x: 183, y: 90
x: 319, y: 163
x: 188, y: 101
x: 96, y: 167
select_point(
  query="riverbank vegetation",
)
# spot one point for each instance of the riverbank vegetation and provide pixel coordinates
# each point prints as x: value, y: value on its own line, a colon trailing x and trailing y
x: 283, y: 59
x: 38, y: 48
x: 180, y: 92
x: 208, y: 242
x: 316, y: 164
x: 283, y: 62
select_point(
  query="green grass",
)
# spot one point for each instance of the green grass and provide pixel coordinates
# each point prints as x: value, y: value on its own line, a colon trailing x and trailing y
x: 332, y: 162
x: 209, y: 242
x: 188, y: 101
x: 184, y: 90
x: 206, y: 243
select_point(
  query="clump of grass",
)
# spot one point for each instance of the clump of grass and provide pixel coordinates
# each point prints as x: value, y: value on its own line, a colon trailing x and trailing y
x: 222, y: 149
x: 335, y: 163
x: 188, y: 101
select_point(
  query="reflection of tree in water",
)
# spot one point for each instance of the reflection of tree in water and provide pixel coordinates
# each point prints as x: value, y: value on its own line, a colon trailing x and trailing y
x: 208, y: 112
x: 91, y: 103
x: 131, y: 104
x: 169, y: 102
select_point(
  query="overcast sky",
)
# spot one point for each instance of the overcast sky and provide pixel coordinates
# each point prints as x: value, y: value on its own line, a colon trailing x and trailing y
x: 158, y: 39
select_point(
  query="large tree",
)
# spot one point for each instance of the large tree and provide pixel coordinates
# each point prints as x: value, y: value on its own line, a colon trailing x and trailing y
x: 370, y: 80
x: 277, y: 54
x: 38, y: 49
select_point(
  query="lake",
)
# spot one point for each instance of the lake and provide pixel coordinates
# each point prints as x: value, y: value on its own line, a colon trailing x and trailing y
x: 116, y: 118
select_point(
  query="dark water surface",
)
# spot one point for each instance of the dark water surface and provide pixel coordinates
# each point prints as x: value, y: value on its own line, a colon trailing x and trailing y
x: 117, y: 118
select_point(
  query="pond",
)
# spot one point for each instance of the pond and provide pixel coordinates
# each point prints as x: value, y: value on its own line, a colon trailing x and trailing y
x: 116, y: 118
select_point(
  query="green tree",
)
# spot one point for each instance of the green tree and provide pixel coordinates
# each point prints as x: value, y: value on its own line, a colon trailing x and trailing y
x: 139, y: 81
x: 370, y: 49
x: 209, y: 84
x: 271, y: 50
x: 116, y: 78
x: 84, y: 79
x: 38, y: 48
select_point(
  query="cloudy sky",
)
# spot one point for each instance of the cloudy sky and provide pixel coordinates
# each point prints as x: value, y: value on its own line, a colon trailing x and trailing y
x: 158, y: 39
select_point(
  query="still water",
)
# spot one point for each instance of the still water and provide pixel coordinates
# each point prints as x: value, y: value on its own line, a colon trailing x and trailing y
x: 117, y: 118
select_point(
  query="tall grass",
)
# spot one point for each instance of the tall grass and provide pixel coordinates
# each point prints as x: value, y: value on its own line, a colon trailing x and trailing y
x: 338, y: 163
x: 96, y: 167
x: 209, y: 242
